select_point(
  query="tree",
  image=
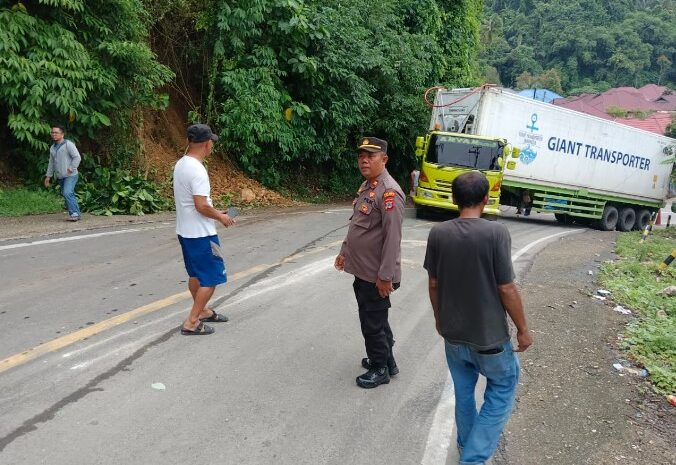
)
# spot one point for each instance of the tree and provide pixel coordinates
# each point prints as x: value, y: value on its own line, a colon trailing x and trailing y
x: 70, y: 61
x: 591, y: 43
x: 336, y: 73
x: 549, y: 79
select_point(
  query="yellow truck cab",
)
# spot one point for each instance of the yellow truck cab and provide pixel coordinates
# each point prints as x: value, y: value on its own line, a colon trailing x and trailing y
x: 443, y: 156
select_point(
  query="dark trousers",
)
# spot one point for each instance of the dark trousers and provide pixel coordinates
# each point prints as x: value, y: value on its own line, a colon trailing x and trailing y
x: 373, y: 313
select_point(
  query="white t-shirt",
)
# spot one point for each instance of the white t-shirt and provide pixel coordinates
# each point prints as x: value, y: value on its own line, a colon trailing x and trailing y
x: 191, y: 178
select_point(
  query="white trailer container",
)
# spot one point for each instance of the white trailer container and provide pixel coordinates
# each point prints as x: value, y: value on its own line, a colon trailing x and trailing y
x: 571, y: 164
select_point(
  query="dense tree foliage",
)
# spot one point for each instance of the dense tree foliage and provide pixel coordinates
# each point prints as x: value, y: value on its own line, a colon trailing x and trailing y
x: 289, y: 84
x: 591, y: 44
x: 294, y: 84
x: 75, y: 62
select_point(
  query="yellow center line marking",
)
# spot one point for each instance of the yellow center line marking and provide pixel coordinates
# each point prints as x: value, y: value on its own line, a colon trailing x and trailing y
x: 69, y: 339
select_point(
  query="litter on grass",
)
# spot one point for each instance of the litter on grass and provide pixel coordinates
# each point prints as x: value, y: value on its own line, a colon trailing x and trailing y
x: 624, y: 367
x: 622, y: 310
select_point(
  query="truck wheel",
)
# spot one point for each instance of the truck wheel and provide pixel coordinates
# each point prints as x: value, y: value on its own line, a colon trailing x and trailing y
x: 627, y: 219
x: 562, y: 218
x: 609, y: 219
x: 642, y: 219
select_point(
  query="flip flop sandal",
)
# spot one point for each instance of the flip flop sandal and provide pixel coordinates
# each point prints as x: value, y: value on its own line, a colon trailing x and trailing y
x: 201, y: 330
x: 215, y: 318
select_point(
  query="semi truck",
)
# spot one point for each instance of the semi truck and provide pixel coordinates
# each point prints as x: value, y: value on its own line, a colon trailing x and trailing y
x: 543, y: 157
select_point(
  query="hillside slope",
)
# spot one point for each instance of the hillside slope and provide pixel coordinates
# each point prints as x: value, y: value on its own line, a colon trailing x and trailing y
x: 164, y: 141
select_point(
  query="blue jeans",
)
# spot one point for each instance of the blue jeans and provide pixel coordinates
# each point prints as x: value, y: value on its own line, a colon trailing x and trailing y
x: 479, y: 432
x: 68, y: 192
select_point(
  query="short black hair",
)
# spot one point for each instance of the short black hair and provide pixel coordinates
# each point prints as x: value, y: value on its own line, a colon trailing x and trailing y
x: 469, y: 189
x: 59, y: 127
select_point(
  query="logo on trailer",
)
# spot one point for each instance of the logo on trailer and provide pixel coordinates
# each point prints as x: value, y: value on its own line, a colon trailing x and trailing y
x: 533, y: 120
x: 528, y: 155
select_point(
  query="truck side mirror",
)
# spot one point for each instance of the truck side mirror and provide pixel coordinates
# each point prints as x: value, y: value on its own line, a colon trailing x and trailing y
x: 516, y: 152
x: 419, y: 143
x: 511, y: 165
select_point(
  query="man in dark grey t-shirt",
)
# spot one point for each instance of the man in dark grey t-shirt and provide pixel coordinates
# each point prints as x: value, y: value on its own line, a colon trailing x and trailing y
x: 472, y: 289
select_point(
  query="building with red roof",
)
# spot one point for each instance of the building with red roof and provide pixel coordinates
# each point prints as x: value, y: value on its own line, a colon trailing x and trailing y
x: 658, y: 101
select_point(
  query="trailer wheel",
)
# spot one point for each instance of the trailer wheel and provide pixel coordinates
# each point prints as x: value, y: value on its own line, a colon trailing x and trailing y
x: 609, y: 219
x: 642, y: 219
x: 627, y: 219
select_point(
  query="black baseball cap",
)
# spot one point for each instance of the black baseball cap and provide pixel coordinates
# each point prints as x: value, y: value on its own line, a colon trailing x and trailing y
x: 373, y: 144
x: 201, y: 133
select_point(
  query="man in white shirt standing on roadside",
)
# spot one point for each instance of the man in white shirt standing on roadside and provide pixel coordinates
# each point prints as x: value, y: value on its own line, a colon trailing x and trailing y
x: 196, y: 230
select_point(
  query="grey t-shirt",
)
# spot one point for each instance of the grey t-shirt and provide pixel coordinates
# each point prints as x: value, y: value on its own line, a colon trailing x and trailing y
x: 470, y: 257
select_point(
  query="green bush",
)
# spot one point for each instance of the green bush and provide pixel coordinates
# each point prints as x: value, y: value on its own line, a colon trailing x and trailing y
x: 116, y: 191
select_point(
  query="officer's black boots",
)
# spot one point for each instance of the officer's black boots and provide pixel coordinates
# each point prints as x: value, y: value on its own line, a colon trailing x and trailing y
x: 374, y: 378
x: 391, y: 365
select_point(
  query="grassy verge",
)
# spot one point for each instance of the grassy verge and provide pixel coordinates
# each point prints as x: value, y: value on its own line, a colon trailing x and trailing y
x: 21, y: 201
x: 635, y: 282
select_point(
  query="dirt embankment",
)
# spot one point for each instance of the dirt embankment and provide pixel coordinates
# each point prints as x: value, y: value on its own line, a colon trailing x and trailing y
x: 164, y: 141
x: 573, y: 407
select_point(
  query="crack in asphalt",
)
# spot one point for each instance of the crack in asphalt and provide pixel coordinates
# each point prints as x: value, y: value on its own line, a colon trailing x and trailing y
x: 48, y: 414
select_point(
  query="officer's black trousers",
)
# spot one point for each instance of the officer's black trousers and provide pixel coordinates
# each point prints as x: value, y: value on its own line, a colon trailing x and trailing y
x: 373, y: 312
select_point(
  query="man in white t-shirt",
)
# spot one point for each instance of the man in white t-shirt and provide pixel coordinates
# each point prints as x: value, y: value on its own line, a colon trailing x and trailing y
x: 196, y: 230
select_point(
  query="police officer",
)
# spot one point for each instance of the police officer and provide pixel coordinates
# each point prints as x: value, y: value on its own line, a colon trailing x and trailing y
x: 372, y: 253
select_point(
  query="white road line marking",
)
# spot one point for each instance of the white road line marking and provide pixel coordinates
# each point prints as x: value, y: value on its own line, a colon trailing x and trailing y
x: 439, y: 438
x: 262, y: 287
x: 525, y: 249
x: 443, y: 423
x: 125, y: 349
x: 414, y: 242
x: 76, y: 238
x: 283, y: 280
x: 152, y: 323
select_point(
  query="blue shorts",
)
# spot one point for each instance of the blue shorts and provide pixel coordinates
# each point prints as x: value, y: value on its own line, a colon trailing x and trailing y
x: 203, y: 260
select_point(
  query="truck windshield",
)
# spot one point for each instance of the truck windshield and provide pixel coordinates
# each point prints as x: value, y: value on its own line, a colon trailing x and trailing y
x: 464, y: 151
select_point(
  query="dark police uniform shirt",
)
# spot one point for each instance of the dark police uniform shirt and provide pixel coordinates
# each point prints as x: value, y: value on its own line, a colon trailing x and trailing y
x: 372, y: 248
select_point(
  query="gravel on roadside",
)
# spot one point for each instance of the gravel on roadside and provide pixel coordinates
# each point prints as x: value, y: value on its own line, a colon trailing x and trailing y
x: 573, y: 406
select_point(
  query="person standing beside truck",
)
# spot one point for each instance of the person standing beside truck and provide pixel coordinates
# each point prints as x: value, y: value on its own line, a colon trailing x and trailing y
x: 472, y: 290
x: 64, y: 159
x: 372, y: 253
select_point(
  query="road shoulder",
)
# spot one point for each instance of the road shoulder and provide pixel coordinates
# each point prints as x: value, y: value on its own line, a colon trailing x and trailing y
x: 573, y: 407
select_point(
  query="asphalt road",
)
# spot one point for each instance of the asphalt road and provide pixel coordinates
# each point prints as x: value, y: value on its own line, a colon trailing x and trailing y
x: 93, y: 369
